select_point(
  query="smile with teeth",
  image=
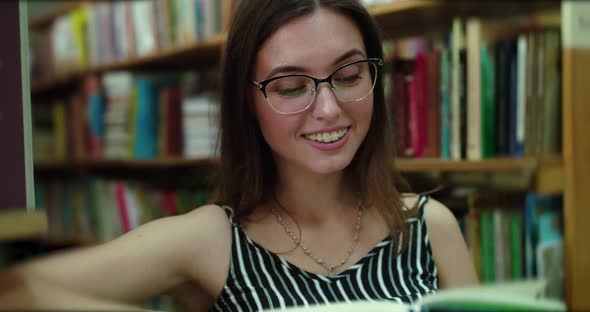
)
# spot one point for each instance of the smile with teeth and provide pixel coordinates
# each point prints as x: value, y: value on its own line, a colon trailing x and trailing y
x: 327, y: 137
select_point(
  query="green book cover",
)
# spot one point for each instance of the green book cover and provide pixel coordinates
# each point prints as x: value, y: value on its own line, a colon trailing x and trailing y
x: 508, y: 296
x: 516, y: 245
x: 488, y: 254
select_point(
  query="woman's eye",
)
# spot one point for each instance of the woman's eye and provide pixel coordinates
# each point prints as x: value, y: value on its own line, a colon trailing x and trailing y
x: 347, y: 80
x: 291, y: 92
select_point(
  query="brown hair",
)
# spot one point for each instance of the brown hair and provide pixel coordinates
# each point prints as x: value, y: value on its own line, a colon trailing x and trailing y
x: 247, y: 169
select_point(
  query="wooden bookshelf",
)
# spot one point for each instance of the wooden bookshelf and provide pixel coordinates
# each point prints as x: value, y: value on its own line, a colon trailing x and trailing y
x: 18, y: 224
x: 568, y: 175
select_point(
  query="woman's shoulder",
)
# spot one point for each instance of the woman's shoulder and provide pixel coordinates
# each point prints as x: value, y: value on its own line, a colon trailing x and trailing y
x: 210, y: 221
x: 433, y: 211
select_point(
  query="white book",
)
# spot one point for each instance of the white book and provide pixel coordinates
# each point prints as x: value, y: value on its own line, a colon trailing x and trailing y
x: 521, y: 89
x: 145, y: 33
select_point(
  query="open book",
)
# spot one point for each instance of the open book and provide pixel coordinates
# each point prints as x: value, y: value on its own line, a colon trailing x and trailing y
x: 512, y: 296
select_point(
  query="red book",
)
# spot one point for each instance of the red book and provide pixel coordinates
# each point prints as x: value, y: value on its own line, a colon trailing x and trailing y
x: 419, y: 105
x: 169, y: 203
x: 77, y: 127
x: 413, y: 120
x: 433, y: 105
x: 123, y: 207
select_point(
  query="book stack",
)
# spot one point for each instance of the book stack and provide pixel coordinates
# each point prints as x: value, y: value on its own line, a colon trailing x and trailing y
x: 200, y: 115
x: 118, y: 90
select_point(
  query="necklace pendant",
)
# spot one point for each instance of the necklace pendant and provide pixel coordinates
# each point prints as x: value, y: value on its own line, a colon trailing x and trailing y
x: 331, y: 273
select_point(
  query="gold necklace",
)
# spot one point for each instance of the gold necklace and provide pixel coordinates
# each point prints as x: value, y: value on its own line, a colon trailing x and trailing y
x: 330, y: 267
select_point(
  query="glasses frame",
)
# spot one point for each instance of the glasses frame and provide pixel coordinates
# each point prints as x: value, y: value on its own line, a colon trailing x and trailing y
x: 261, y: 85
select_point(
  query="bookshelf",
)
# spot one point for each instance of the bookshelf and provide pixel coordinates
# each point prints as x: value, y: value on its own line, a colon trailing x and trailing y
x: 568, y: 175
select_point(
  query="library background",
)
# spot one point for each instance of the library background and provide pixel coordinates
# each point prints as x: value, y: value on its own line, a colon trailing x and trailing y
x: 116, y: 123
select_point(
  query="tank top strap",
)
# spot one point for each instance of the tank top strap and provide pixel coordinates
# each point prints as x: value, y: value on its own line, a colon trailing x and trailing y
x: 422, y: 200
x: 230, y: 215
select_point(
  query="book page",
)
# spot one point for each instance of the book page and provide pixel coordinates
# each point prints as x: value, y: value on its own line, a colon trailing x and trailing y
x: 510, y: 296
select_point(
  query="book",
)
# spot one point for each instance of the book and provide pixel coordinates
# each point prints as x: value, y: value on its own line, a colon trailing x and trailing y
x: 509, y: 296
x: 473, y: 121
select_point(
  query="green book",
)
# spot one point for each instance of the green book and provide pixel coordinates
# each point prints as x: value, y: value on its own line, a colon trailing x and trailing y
x: 516, y: 246
x: 488, y: 254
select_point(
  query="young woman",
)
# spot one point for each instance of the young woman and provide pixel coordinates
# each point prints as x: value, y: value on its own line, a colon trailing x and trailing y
x: 309, y: 210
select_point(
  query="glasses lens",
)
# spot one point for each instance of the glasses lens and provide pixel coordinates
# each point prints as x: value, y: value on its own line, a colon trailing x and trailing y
x: 354, y: 82
x: 290, y: 94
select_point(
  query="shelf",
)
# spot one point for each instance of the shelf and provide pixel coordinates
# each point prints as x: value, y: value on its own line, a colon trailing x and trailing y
x: 197, y: 54
x: 403, y: 17
x: 441, y: 165
x: 18, y: 224
x: 548, y: 173
x: 44, y: 20
x: 402, y: 164
x: 124, y: 164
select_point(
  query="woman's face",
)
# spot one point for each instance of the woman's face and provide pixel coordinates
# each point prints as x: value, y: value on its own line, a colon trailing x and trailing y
x: 315, y: 45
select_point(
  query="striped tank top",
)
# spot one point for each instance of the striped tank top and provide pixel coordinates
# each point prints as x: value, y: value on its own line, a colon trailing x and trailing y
x: 259, y: 279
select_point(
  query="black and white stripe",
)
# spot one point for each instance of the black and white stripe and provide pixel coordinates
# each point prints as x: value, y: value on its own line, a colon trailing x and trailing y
x: 259, y: 279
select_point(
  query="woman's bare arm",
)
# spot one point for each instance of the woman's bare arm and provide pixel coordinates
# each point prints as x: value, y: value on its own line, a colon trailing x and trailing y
x: 452, y: 258
x: 130, y: 269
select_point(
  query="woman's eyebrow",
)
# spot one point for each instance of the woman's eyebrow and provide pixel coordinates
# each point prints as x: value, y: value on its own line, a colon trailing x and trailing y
x: 291, y: 68
x: 348, y: 55
x: 284, y: 69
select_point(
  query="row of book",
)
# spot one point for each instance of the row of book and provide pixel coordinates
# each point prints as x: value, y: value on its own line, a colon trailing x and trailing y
x: 510, y: 237
x: 120, y: 115
x: 99, y: 210
x: 514, y: 238
x: 458, y: 96
x: 104, y: 32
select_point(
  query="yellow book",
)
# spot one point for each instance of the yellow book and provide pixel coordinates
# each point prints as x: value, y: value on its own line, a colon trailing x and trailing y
x: 59, y: 129
x: 79, y: 20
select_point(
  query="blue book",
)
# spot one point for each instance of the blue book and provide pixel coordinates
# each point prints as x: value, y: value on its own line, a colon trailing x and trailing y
x: 541, y: 224
x: 146, y: 120
x: 96, y: 109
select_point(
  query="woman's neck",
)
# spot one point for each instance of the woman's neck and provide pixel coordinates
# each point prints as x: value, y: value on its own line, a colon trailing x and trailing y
x: 312, y: 198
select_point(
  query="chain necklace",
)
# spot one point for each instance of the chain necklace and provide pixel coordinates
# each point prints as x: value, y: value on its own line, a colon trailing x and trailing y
x: 330, y: 267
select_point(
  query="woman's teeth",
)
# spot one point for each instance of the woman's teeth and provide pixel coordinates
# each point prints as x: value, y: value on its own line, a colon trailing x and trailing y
x: 327, y: 137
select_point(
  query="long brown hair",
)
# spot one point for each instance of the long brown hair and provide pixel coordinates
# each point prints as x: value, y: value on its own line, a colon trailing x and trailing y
x: 247, y: 169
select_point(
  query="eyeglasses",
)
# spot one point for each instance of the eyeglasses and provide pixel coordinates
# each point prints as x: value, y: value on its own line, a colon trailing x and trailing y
x: 292, y: 94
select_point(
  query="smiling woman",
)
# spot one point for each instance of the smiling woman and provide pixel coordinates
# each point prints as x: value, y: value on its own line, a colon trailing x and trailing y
x: 308, y: 209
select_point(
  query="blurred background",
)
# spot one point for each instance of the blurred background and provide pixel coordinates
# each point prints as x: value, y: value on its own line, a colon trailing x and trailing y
x: 123, y: 119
